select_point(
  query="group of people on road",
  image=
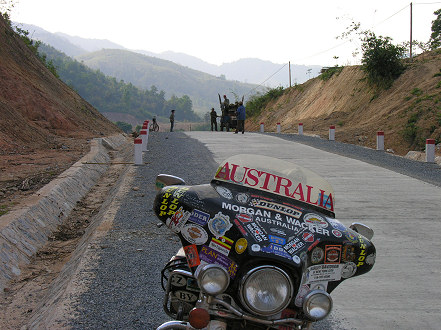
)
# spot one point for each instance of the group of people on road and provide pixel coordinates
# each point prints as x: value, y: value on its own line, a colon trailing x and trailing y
x: 225, y: 118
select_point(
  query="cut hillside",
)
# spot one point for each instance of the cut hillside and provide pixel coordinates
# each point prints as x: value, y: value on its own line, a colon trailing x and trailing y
x: 44, y: 125
x: 409, y: 112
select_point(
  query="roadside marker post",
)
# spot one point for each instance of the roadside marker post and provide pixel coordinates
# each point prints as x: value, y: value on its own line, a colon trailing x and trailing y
x: 380, y: 140
x: 138, y: 151
x: 143, y: 135
x: 430, y: 150
x: 331, y: 133
x: 278, y: 127
x: 146, y: 123
x: 300, y: 129
x: 262, y: 129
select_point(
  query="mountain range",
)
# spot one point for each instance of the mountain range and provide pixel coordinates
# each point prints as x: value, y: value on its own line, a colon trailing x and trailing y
x: 175, y: 73
x: 248, y: 70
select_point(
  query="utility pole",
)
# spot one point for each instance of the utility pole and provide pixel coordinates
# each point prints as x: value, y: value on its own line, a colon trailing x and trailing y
x: 289, y: 68
x: 410, y: 50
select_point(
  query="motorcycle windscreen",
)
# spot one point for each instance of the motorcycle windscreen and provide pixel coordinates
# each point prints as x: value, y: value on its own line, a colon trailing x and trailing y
x: 278, y: 177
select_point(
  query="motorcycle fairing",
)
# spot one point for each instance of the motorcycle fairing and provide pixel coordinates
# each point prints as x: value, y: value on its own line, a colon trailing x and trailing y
x: 265, y: 213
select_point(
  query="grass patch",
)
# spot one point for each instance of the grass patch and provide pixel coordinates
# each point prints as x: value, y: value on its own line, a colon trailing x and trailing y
x: 328, y: 73
x: 416, y: 92
x: 3, y: 209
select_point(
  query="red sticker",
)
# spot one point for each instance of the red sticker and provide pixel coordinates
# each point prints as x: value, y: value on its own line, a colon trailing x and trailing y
x: 308, y: 237
x: 191, y: 252
x: 332, y: 254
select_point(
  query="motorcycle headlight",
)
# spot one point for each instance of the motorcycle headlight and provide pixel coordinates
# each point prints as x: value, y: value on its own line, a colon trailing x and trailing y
x: 213, y: 279
x: 266, y: 290
x: 317, y: 304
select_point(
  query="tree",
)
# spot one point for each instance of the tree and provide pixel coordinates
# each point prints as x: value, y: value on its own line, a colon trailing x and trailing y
x: 382, y: 60
x: 125, y: 127
x: 435, y: 37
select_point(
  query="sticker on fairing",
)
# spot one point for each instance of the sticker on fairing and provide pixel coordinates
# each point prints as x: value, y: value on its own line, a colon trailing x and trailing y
x: 194, y: 234
x: 178, y: 220
x: 219, y: 225
x: 328, y: 272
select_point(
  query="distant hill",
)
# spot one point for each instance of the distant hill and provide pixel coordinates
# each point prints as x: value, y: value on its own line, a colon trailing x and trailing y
x: 57, y: 41
x: 110, y: 96
x: 90, y: 45
x: 249, y: 70
x: 144, y: 71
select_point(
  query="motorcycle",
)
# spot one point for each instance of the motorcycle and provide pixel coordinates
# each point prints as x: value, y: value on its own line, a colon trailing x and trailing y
x: 261, y: 248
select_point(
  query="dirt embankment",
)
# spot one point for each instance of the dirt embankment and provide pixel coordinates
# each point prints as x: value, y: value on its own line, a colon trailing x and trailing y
x: 409, y: 112
x: 44, y: 125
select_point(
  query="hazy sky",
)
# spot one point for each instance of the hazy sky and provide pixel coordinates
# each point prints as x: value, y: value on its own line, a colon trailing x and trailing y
x: 303, y: 32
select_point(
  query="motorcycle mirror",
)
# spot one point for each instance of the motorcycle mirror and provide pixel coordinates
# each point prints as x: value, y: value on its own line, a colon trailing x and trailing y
x: 362, y: 229
x: 164, y: 180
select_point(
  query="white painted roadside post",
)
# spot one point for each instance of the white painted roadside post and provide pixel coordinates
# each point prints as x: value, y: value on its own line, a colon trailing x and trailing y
x: 143, y: 135
x: 430, y: 150
x: 380, y: 140
x: 262, y: 129
x: 278, y: 127
x: 138, y: 151
x: 146, y: 124
x: 300, y: 128
x: 331, y: 133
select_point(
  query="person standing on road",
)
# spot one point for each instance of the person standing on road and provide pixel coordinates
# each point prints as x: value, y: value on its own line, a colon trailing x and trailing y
x: 213, y: 116
x: 240, y: 112
x: 226, y: 102
x: 172, y: 120
x: 225, y: 114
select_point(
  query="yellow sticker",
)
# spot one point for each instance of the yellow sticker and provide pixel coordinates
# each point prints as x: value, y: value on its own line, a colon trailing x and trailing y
x: 241, y: 245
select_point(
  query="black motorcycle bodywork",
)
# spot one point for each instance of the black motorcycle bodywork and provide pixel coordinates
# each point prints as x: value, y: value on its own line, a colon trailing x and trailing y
x: 259, y: 212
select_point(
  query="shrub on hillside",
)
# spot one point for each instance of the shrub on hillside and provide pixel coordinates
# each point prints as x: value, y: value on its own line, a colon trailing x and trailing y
x: 382, y: 60
x: 258, y: 102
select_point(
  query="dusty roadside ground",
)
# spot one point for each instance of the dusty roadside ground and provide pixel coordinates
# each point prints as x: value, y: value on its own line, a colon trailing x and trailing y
x: 21, y: 176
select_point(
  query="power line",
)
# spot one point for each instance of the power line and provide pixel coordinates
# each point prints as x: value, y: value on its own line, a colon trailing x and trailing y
x: 426, y: 3
x: 341, y: 44
x: 267, y: 79
x: 391, y: 16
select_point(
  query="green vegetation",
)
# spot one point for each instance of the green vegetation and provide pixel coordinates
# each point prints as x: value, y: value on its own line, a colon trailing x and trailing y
x: 435, y: 37
x: 108, y: 95
x: 328, y: 73
x: 144, y: 71
x: 381, y: 60
x: 416, y: 92
x: 125, y: 127
x: 424, y: 118
x: 3, y: 209
x: 258, y: 102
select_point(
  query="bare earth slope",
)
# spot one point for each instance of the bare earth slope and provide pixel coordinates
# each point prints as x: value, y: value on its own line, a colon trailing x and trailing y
x: 44, y: 125
x: 409, y: 112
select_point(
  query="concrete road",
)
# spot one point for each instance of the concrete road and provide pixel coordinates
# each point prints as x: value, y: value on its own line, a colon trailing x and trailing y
x: 403, y: 291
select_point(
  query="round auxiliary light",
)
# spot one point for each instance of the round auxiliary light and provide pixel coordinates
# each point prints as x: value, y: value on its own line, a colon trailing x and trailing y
x: 213, y: 279
x: 199, y: 318
x: 317, y: 304
x: 266, y: 290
